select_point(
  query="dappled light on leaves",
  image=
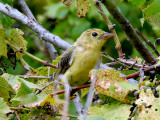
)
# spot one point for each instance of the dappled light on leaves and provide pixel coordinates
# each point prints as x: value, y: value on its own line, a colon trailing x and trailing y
x: 109, y: 83
x: 113, y: 111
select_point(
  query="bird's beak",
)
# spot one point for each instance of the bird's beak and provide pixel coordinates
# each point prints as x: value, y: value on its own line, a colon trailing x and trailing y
x: 107, y: 35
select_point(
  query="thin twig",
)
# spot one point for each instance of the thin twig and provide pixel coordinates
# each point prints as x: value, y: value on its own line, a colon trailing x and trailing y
x: 149, y: 68
x: 109, y: 57
x: 73, y: 88
x: 38, y: 77
x: 111, y: 64
x: 142, y: 76
x: 46, y: 63
x: 19, y: 108
x: 38, y: 91
x: 72, y: 116
x: 148, y: 42
x: 111, y: 28
x: 129, y: 62
x: 17, y: 115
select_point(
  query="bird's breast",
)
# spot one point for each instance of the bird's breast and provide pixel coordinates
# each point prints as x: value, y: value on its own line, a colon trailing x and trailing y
x: 84, y: 62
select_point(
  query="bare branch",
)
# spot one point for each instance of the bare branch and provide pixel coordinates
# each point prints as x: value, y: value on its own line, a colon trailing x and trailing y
x: 129, y: 62
x: 36, y: 27
x: 26, y: 9
x: 130, y: 32
x: 78, y: 104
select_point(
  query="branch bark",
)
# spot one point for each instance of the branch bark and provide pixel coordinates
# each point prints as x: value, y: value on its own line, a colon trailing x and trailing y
x: 35, y: 26
x: 52, y: 51
x: 130, y: 32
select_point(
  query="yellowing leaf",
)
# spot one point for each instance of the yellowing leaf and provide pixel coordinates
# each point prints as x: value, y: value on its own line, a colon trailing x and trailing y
x: 3, y: 46
x: 49, y: 100
x: 84, y: 92
x: 82, y: 7
x: 69, y: 2
x: 16, y: 38
x: 148, y: 106
x: 109, y: 83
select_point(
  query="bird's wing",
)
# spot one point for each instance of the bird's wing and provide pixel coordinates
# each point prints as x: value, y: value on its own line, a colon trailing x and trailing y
x: 65, y: 61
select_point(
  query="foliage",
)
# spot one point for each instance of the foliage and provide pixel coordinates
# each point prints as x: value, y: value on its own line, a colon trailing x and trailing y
x: 23, y: 78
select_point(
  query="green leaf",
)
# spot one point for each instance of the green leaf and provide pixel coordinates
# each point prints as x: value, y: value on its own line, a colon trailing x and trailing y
x: 57, y: 10
x: 5, y: 89
x: 111, y: 111
x: 14, y: 80
x: 3, y: 46
x: 150, y: 9
x: 138, y: 2
x: 25, y: 94
x: 16, y: 38
x: 6, y: 21
x: 4, y: 109
x: 84, y: 92
x: 94, y: 117
x: 10, y: 2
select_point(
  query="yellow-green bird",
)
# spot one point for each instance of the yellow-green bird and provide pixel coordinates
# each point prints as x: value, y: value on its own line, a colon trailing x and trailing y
x: 85, y: 54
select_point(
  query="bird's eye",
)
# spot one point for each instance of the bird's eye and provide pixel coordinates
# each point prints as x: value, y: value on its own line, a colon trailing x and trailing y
x: 94, y: 34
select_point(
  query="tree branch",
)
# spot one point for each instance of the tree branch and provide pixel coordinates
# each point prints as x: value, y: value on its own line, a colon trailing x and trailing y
x: 26, y: 9
x: 78, y: 104
x: 111, y: 28
x: 36, y: 27
x: 155, y: 67
x: 47, y: 45
x: 130, y: 32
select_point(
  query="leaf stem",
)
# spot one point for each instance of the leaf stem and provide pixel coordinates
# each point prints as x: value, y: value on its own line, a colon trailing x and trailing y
x: 46, y: 63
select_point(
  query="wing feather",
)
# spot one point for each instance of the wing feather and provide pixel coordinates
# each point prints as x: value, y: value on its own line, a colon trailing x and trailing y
x: 65, y: 61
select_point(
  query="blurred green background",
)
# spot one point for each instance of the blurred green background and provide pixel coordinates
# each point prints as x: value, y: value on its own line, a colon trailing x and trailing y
x: 63, y: 21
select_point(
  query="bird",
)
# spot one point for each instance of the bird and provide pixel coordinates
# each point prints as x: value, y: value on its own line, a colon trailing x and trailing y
x: 83, y: 56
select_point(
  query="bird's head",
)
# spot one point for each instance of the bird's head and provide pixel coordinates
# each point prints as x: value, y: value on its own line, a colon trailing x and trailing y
x: 93, y: 37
